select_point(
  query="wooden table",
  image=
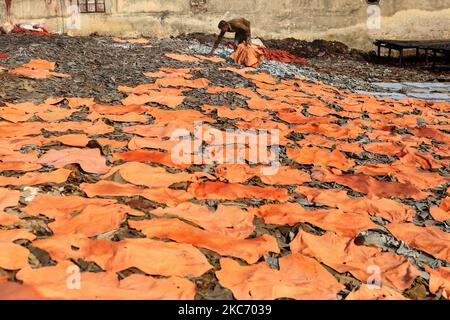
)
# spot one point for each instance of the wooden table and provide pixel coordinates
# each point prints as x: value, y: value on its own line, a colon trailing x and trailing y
x: 434, y: 46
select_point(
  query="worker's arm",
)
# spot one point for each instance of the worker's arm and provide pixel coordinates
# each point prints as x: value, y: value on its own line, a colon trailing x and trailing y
x: 217, y: 42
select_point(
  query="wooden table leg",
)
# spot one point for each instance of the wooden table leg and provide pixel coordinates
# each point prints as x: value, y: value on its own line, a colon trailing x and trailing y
x: 434, y: 58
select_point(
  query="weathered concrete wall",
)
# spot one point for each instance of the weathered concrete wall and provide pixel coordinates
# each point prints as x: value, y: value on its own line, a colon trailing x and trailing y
x: 343, y: 20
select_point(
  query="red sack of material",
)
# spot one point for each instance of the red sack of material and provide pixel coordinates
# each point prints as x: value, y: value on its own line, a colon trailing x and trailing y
x: 281, y: 56
x: 31, y: 32
x: 4, y: 56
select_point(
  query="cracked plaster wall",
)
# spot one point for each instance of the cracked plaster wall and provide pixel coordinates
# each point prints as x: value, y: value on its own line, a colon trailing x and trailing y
x: 342, y: 20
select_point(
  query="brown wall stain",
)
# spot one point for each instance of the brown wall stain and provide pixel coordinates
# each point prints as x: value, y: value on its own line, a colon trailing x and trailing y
x: 8, y: 6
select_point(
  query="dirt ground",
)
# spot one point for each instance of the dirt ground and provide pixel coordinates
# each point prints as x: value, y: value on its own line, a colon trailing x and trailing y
x: 88, y: 180
x: 334, y: 61
x: 330, y: 57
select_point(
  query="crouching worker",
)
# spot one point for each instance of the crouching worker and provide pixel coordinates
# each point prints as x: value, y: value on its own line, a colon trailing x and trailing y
x: 241, y: 28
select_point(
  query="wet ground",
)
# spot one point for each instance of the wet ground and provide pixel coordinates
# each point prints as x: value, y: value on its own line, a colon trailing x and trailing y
x: 89, y: 182
x: 429, y: 91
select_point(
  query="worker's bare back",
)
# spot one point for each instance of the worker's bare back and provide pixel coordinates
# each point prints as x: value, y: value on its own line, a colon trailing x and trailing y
x: 240, y: 25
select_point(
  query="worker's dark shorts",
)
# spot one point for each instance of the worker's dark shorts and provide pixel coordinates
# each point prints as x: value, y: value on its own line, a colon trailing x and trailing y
x: 239, y: 38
